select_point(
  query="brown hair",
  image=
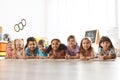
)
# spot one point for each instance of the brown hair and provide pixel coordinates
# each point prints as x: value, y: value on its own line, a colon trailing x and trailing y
x: 81, y: 47
x: 105, y: 38
x: 41, y: 42
x: 30, y: 39
x: 71, y: 36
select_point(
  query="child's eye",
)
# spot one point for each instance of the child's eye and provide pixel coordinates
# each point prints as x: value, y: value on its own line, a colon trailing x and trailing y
x: 42, y: 46
x: 103, y: 42
x: 34, y: 44
x: 84, y: 43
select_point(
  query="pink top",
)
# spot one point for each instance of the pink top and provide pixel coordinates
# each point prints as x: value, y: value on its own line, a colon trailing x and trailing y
x: 10, y: 53
x: 59, y: 54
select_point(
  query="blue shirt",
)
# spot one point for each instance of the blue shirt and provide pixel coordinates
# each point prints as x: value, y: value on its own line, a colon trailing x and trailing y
x: 42, y: 53
x: 29, y: 53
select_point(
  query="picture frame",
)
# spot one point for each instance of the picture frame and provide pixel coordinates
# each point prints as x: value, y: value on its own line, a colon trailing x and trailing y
x: 93, y: 35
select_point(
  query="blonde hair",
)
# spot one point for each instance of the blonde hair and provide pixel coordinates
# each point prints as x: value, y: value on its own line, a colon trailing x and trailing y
x: 21, y: 41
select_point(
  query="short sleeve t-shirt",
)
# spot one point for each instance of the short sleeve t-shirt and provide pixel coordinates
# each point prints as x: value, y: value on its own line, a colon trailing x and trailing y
x: 110, y: 51
x: 74, y: 52
x: 28, y: 52
x: 42, y: 53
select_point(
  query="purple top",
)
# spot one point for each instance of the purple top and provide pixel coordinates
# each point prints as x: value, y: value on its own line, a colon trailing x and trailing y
x: 74, y: 52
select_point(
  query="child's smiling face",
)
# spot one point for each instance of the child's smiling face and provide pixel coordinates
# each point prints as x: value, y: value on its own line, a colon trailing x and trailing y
x: 105, y: 45
x: 10, y: 45
x: 86, y: 44
x: 32, y: 45
x: 71, y: 42
x: 42, y: 47
x: 55, y: 44
x: 19, y: 44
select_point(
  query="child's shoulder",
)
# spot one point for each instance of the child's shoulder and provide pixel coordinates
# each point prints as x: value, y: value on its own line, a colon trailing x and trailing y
x: 40, y: 51
x: 27, y: 50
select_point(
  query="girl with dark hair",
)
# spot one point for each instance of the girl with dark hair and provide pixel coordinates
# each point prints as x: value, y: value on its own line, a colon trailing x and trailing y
x: 106, y: 49
x: 56, y: 50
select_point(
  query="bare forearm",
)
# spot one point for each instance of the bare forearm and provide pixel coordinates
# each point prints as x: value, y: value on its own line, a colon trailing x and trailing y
x: 82, y: 57
x: 74, y: 57
x: 30, y: 57
x: 110, y: 56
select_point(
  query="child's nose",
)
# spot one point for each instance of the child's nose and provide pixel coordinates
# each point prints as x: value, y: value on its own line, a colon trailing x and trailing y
x: 32, y: 45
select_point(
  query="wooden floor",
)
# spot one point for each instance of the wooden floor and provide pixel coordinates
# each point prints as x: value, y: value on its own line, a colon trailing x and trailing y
x: 59, y: 69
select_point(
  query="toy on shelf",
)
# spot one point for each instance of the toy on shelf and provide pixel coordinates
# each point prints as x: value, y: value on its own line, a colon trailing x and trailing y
x: 3, y: 48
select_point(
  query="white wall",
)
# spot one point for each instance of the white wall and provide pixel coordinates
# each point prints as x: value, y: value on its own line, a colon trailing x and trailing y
x: 59, y: 18
x: 65, y: 17
x: 12, y: 11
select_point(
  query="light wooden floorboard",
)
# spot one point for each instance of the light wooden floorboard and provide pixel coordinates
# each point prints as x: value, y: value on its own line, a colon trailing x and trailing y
x: 60, y: 69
